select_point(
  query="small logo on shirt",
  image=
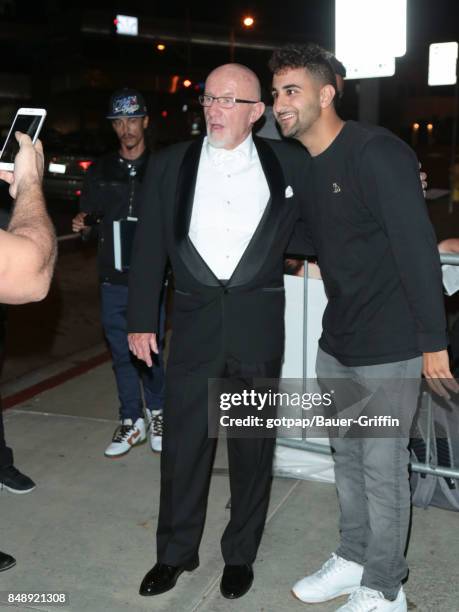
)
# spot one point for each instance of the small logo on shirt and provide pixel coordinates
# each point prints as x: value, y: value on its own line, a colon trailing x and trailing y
x: 336, y: 188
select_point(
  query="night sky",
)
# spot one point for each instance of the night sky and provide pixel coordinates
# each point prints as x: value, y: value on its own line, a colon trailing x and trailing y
x: 428, y: 20
x: 432, y: 20
x: 57, y: 44
x: 300, y: 16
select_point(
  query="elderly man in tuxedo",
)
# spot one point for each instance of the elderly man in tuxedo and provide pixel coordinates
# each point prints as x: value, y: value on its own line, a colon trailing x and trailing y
x: 221, y: 210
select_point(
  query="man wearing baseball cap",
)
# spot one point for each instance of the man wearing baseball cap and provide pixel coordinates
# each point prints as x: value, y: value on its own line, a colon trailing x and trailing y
x: 109, y: 198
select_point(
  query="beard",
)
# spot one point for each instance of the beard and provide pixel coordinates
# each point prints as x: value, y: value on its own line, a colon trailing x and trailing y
x: 290, y: 131
x: 301, y: 124
x: 217, y: 142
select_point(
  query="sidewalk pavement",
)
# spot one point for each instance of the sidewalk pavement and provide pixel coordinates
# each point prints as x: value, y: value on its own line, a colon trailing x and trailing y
x: 89, y: 527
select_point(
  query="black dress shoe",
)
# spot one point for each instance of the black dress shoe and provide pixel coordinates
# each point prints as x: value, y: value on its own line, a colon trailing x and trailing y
x: 6, y: 561
x: 236, y: 581
x: 162, y: 577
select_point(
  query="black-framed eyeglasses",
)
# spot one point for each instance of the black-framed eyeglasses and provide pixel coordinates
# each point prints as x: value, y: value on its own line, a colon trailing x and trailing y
x: 223, y: 101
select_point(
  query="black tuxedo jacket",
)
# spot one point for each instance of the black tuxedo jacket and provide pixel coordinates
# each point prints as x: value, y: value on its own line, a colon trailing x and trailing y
x: 244, y: 317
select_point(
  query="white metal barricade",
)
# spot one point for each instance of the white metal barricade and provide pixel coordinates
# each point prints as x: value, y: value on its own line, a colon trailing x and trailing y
x: 305, y: 337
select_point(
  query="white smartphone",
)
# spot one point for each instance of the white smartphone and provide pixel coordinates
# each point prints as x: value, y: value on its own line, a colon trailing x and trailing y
x: 28, y: 121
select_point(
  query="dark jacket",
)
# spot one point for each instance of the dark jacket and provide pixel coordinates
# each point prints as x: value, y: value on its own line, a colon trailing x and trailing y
x: 111, y: 192
x: 244, y: 317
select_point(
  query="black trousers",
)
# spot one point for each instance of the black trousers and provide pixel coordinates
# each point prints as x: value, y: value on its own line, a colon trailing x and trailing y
x: 186, y: 464
x: 6, y: 454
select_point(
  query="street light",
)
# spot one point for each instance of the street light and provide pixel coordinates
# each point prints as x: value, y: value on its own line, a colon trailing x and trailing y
x: 248, y: 21
x: 414, y: 134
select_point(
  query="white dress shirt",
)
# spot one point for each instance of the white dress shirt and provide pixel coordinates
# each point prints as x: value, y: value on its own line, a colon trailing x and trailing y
x: 230, y: 199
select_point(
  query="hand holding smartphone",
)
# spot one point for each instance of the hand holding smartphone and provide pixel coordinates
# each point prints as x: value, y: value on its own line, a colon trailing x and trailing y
x: 28, y: 121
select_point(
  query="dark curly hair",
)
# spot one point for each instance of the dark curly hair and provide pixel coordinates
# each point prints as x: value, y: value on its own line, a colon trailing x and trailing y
x: 312, y: 57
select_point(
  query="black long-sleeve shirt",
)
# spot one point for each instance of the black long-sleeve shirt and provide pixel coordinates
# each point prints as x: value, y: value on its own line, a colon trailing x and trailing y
x: 376, y: 249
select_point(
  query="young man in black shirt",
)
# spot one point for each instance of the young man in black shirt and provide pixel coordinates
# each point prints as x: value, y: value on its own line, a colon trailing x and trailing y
x: 369, y: 229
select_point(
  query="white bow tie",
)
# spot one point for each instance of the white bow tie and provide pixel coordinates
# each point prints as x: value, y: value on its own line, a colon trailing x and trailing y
x: 222, y: 156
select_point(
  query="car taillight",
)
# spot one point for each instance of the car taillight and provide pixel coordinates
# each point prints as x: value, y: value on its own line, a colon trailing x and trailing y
x: 84, y: 165
x: 78, y: 192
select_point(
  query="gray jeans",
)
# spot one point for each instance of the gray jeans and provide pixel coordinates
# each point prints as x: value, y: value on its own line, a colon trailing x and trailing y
x: 372, y: 478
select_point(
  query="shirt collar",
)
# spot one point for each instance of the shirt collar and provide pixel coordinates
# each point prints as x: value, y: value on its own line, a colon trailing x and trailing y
x: 245, y: 150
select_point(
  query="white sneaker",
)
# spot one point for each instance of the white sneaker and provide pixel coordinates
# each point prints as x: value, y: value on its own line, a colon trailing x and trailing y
x: 126, y: 435
x: 155, y: 423
x: 369, y: 600
x: 336, y: 577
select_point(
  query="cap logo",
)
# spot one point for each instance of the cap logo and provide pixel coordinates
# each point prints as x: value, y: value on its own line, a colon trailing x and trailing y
x: 127, y: 105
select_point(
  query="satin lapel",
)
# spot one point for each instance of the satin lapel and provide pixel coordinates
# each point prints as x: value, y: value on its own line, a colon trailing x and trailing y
x: 260, y: 245
x: 184, y: 196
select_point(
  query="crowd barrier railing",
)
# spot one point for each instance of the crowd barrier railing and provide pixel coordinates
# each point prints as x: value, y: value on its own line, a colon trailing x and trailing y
x: 427, y: 467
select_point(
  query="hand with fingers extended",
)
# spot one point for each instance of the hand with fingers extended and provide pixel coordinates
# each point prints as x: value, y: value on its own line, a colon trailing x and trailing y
x: 142, y: 345
x: 437, y: 372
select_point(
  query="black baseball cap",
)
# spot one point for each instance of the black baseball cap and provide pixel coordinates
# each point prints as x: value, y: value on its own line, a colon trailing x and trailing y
x: 127, y: 103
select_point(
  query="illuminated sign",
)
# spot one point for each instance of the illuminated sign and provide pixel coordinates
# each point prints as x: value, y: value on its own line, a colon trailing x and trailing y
x: 369, y: 35
x: 127, y: 25
x: 442, y: 63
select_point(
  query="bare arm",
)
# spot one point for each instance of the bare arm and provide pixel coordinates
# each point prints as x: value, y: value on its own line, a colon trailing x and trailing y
x: 28, y: 247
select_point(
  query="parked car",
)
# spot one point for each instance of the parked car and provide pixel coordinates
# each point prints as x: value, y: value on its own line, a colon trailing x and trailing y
x: 64, y: 175
x: 68, y: 158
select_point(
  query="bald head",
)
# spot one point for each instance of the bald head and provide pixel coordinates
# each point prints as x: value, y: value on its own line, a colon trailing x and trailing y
x: 245, y: 79
x: 228, y: 125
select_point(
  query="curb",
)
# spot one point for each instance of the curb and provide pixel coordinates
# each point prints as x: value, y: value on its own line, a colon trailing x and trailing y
x: 49, y: 382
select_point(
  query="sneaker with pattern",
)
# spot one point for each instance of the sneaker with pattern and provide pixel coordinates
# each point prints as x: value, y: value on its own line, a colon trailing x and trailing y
x: 155, y: 424
x: 126, y: 435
